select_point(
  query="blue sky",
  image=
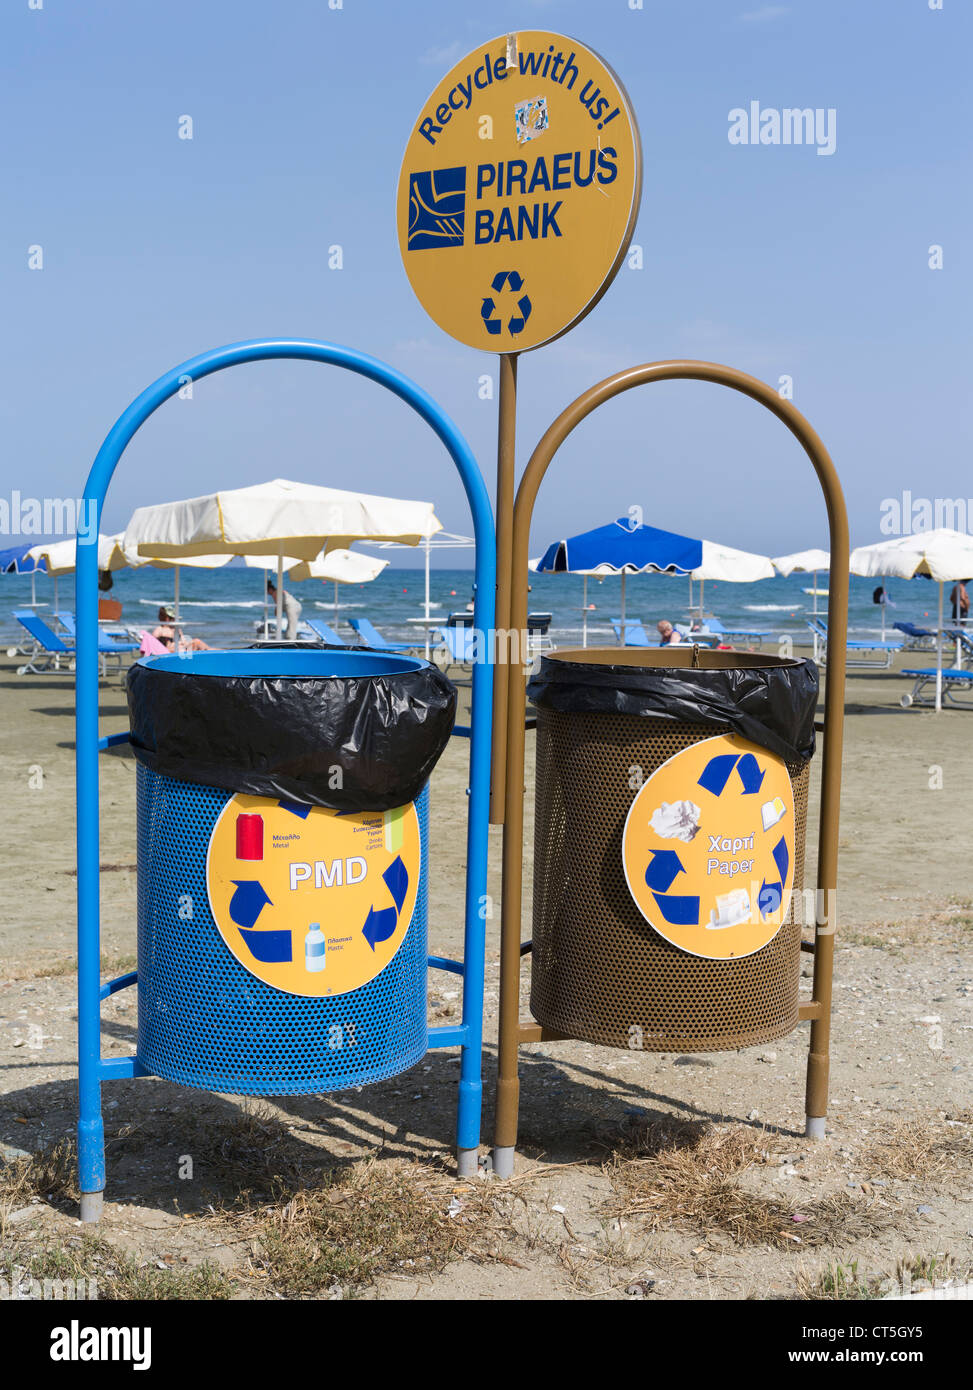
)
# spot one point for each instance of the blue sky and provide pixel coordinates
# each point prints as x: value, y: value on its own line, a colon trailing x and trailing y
x: 775, y: 260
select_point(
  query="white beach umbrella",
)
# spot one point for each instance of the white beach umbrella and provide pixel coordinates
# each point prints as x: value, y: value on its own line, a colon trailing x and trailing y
x: 722, y: 562
x: 942, y: 555
x: 278, y: 518
x: 60, y: 557
x: 335, y: 567
x: 340, y: 567
x: 810, y: 562
x: 438, y: 540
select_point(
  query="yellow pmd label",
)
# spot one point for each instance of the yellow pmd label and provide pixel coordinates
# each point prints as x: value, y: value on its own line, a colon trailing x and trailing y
x: 708, y: 848
x: 519, y: 191
x: 312, y: 901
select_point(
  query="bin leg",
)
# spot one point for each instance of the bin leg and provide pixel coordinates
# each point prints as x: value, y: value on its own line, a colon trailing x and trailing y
x: 91, y: 1138
x: 819, y: 1048
x: 91, y: 1126
x: 470, y: 1103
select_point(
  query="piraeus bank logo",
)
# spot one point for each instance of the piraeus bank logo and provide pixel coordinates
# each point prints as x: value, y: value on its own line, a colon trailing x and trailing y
x: 437, y: 198
x: 437, y: 208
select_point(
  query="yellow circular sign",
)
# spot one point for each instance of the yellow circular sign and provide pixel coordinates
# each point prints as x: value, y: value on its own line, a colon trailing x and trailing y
x: 708, y: 848
x: 519, y: 191
x: 312, y: 901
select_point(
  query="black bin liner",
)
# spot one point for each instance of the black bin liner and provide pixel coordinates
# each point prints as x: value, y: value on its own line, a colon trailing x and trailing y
x: 769, y: 700
x: 285, y: 736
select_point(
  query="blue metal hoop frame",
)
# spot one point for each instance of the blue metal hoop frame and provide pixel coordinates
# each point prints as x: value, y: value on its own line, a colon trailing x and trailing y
x: 92, y: 1067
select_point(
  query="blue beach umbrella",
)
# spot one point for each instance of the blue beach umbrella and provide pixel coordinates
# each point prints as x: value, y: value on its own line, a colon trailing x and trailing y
x: 622, y: 547
x: 16, y: 560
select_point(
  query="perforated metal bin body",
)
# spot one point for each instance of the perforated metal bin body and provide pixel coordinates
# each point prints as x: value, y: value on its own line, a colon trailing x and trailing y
x: 206, y: 1021
x: 599, y: 969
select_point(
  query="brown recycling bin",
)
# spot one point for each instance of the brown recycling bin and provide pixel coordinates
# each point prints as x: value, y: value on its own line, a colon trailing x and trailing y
x: 599, y: 967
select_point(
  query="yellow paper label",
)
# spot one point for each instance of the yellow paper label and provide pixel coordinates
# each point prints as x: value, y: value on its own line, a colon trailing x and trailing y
x: 708, y: 848
x: 322, y: 900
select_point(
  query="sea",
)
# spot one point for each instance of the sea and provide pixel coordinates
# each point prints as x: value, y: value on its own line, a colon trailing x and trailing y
x: 224, y: 606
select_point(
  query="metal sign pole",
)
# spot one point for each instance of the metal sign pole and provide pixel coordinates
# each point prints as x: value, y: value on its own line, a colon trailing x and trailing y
x: 506, y: 477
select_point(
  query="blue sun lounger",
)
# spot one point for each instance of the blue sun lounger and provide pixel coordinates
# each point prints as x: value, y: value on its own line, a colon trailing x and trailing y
x: 713, y: 627
x: 325, y: 632
x: 916, y: 639
x: 458, y: 642
x: 59, y: 651
x: 66, y: 620
x: 924, y: 688
x: 963, y: 638
x: 635, y: 633
x: 371, y: 637
x: 884, y: 650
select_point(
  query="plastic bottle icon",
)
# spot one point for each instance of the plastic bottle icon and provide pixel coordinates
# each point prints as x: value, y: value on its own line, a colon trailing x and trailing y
x: 249, y: 836
x: 315, y: 947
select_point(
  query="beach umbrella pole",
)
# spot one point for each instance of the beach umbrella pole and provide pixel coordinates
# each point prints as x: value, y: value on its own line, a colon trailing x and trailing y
x: 624, y: 634
x: 175, y: 592
x: 939, y: 652
x: 280, y: 592
x: 584, y: 614
x: 427, y: 547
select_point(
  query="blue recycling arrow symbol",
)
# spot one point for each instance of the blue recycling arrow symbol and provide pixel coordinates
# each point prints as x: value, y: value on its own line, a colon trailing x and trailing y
x: 770, y: 897
x: 663, y: 869
x: 679, y: 910
x: 781, y: 858
x: 488, y: 308
x: 717, y: 772
x: 248, y: 901
x: 381, y: 923
x: 751, y: 774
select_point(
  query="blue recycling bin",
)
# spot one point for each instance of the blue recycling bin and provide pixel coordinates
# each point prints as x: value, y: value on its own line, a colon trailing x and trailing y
x: 301, y: 1012
x: 282, y: 945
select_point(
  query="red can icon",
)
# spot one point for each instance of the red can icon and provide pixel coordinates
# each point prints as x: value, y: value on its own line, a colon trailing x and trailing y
x: 249, y: 836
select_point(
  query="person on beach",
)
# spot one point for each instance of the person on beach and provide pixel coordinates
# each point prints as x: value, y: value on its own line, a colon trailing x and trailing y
x: 670, y: 637
x: 290, y: 606
x: 172, y: 640
x: 960, y: 600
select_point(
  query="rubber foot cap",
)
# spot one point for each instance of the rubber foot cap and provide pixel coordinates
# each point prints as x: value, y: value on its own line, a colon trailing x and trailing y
x: 91, y: 1206
x: 503, y: 1162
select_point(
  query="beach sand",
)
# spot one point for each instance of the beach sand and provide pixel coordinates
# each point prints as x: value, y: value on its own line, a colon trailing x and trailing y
x: 904, y: 954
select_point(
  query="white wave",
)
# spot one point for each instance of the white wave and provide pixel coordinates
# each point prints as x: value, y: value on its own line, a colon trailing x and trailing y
x: 772, y: 607
x: 200, y: 603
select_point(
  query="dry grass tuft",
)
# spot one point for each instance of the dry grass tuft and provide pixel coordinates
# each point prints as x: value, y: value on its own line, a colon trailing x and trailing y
x: 97, y: 1270
x: 372, y: 1218
x: 684, y: 1174
x: 925, y: 1150
x: 50, y: 1174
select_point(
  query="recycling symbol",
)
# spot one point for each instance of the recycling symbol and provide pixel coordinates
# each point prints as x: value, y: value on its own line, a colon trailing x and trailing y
x: 488, y: 309
x: 708, y: 848
x: 313, y: 901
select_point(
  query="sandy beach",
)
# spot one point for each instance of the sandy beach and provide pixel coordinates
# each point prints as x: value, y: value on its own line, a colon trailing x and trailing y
x: 603, y: 1132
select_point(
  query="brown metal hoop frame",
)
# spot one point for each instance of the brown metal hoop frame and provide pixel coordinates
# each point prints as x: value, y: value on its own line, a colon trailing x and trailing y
x: 818, y: 1009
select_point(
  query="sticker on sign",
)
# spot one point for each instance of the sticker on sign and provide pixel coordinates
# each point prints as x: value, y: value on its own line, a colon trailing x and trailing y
x: 523, y: 171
